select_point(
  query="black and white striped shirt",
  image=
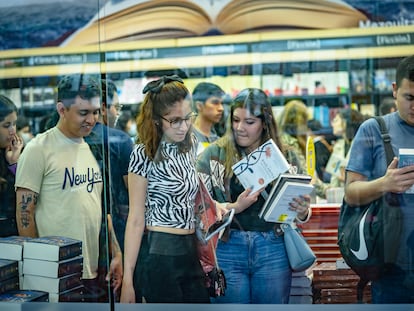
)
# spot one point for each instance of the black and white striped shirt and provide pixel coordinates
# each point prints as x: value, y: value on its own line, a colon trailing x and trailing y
x: 172, y: 186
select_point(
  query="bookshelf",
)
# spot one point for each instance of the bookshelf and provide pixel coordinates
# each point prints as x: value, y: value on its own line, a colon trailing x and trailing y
x: 325, y: 68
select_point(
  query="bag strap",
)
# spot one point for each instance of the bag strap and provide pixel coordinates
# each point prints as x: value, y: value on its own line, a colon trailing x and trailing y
x: 386, y: 138
x: 389, y: 153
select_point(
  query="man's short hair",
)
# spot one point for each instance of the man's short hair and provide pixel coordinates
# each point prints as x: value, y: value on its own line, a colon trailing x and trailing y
x: 204, y: 90
x: 405, y: 70
x: 71, y: 86
x: 108, y: 91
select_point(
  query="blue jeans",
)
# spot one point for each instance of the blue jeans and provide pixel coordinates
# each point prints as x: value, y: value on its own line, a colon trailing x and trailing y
x: 256, y: 268
x: 397, y: 286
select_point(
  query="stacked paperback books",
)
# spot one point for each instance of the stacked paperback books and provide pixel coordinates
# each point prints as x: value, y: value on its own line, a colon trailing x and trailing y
x: 286, y: 187
x: 265, y: 165
x: 53, y: 264
x: 9, y: 275
x: 334, y: 285
x: 11, y: 248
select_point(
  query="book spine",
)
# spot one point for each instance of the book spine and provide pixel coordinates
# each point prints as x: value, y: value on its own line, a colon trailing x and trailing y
x: 9, y: 284
x: 69, y: 282
x: 9, y: 271
x: 73, y: 295
x: 70, y: 251
x: 70, y: 267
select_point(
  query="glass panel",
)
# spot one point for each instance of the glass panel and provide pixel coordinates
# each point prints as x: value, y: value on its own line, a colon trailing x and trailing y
x: 308, y: 71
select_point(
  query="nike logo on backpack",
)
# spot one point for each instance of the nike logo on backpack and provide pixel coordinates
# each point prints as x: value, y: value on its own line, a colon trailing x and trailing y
x: 362, y: 252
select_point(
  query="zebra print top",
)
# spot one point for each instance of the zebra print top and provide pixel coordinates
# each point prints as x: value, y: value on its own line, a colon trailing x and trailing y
x: 172, y: 186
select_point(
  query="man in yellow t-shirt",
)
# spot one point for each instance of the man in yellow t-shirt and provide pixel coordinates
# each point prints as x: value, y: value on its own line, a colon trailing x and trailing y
x: 58, y: 180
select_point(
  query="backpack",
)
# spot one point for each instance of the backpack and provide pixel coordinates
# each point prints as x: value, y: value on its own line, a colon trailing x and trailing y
x: 369, y: 235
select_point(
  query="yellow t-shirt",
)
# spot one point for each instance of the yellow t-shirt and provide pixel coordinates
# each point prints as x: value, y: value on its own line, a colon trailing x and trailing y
x: 68, y: 180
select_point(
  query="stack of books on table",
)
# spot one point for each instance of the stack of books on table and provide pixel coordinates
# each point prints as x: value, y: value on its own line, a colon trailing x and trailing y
x: 9, y: 275
x: 336, y: 285
x: 11, y: 248
x: 53, y: 264
x: 301, y: 287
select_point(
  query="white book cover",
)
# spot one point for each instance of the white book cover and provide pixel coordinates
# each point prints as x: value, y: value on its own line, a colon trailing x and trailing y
x: 11, y: 247
x: 52, y: 248
x: 406, y: 158
x: 261, y: 166
x: 286, y: 187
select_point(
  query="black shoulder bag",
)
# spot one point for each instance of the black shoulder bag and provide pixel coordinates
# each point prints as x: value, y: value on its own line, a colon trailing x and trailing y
x: 369, y: 235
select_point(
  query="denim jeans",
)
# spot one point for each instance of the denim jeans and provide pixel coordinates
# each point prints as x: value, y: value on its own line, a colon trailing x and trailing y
x: 256, y: 268
x: 397, y: 286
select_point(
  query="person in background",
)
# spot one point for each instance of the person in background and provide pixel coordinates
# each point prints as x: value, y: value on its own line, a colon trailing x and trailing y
x: 11, y: 145
x: 252, y: 253
x: 24, y: 129
x: 112, y: 148
x: 345, y: 124
x: 323, y: 149
x: 368, y: 178
x: 208, y: 104
x: 220, y: 127
x: 293, y: 123
x: 127, y: 124
x: 59, y: 183
x: 111, y: 107
x: 118, y: 145
x: 387, y: 106
x: 163, y: 184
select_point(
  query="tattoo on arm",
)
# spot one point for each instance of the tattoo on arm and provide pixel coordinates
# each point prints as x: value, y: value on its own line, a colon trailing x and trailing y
x: 27, y: 200
x: 27, y: 205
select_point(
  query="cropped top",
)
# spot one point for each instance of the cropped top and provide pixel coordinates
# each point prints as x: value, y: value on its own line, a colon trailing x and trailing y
x: 172, y: 186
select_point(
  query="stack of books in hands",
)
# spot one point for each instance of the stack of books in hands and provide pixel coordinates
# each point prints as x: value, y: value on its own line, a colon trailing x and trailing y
x: 53, y: 264
x: 266, y: 165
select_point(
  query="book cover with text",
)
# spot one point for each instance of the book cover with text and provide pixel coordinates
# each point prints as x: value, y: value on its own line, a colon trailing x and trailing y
x: 286, y: 188
x: 261, y: 166
x: 9, y: 284
x: 8, y: 269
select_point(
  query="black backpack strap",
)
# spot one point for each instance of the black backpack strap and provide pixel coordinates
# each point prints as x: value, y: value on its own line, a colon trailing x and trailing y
x: 360, y: 289
x: 389, y: 153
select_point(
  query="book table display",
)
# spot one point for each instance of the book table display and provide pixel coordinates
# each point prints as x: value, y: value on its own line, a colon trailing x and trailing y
x: 332, y: 281
x: 40, y: 269
x: 321, y: 231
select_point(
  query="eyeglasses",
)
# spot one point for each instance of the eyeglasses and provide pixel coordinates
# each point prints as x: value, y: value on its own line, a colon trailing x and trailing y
x: 176, y: 123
